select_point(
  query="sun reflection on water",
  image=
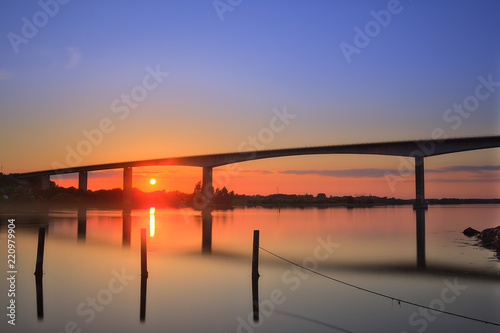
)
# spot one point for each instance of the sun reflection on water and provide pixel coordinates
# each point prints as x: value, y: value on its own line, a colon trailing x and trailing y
x: 152, y: 222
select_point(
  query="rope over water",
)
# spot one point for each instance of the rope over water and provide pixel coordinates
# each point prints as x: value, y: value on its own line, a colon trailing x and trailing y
x: 380, y: 294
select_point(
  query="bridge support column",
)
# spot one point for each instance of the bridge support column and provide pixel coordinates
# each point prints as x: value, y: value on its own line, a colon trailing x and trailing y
x: 419, y: 183
x: 127, y: 186
x: 127, y: 227
x: 45, y: 183
x: 207, y: 188
x: 82, y: 180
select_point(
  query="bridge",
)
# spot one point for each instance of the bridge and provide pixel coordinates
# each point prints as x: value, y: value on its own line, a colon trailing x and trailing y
x: 417, y: 149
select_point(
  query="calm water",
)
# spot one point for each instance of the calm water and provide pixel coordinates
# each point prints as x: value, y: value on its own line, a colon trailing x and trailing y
x: 200, y: 270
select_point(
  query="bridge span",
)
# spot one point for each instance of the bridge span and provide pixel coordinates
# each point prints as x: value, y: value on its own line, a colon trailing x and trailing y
x: 418, y: 149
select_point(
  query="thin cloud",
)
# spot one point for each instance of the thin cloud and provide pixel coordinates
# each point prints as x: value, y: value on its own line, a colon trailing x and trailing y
x: 481, y: 172
x: 263, y: 172
x: 466, y: 168
x: 353, y: 173
x: 466, y: 180
x: 485, y: 176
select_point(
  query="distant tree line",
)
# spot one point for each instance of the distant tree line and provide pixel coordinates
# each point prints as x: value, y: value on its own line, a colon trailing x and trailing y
x: 13, y: 192
x: 220, y: 197
x: 321, y: 199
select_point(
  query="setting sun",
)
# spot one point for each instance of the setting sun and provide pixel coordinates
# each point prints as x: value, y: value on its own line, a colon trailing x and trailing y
x: 152, y: 181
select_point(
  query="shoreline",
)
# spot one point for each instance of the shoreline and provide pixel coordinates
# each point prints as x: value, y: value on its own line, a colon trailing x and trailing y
x: 35, y: 205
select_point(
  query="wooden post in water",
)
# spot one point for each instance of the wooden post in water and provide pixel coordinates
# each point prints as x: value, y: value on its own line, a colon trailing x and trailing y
x: 255, y: 298
x: 39, y: 256
x: 144, y: 254
x: 255, y: 255
x: 144, y: 287
x: 144, y: 274
x: 39, y: 296
x: 39, y: 273
x: 255, y: 276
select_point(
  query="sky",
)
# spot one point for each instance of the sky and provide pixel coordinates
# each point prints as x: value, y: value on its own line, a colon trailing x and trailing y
x: 90, y: 82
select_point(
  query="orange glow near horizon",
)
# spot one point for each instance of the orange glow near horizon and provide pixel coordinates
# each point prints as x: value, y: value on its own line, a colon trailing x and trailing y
x: 354, y: 175
x: 253, y: 183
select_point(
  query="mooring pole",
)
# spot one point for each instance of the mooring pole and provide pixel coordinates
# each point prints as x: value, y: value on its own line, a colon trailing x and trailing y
x: 255, y: 255
x: 255, y: 298
x: 39, y: 273
x: 255, y: 276
x: 144, y: 274
x: 144, y: 254
x: 142, y: 311
x: 39, y: 256
x: 39, y: 296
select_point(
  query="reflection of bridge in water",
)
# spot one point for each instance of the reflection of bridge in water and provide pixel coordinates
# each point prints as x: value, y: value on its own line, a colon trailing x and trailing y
x: 420, y: 265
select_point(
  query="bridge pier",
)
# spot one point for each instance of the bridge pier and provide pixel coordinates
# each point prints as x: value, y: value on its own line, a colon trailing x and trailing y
x: 419, y: 184
x: 82, y: 180
x: 207, y: 188
x: 45, y: 183
x: 127, y: 227
x: 127, y: 186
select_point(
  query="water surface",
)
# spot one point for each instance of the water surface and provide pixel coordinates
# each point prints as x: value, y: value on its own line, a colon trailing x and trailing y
x: 200, y: 270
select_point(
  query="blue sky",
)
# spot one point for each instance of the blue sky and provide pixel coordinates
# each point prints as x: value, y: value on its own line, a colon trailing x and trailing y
x: 226, y: 76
